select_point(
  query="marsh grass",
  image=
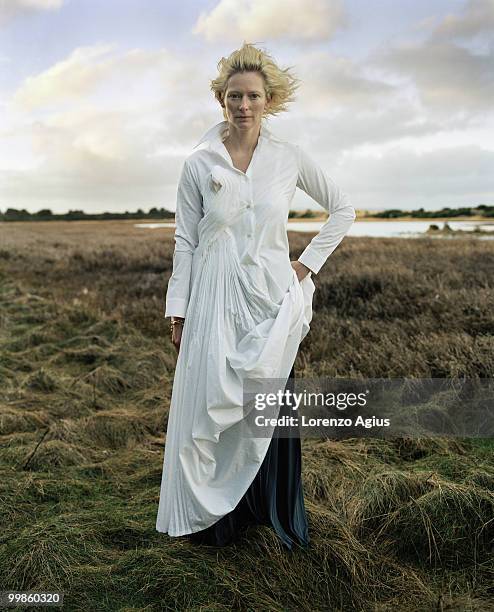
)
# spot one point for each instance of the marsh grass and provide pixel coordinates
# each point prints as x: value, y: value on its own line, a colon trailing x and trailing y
x: 86, y: 376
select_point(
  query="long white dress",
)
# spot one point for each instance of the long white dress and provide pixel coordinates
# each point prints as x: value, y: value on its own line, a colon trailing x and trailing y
x: 245, y: 314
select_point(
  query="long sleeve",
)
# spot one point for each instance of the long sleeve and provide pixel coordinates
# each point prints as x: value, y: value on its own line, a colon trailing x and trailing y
x: 187, y: 215
x: 314, y: 181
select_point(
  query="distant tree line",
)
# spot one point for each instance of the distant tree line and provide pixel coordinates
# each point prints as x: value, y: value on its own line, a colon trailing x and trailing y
x: 13, y: 214
x: 45, y: 214
x: 482, y: 210
x: 304, y: 214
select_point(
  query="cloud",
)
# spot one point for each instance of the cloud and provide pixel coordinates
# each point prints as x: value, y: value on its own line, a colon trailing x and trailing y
x: 87, y: 69
x: 331, y: 83
x: 452, y: 176
x: 450, y: 76
x: 343, y: 104
x: 347, y: 130
x: 71, y: 78
x: 91, y: 159
x: 476, y: 18
x: 94, y: 99
x: 100, y: 186
x: 299, y: 20
x: 9, y: 9
x: 103, y: 129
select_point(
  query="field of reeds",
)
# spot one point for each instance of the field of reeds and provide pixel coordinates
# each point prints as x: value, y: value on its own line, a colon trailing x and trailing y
x: 86, y: 374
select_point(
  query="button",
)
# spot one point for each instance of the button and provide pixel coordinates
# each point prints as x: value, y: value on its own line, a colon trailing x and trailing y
x: 249, y: 235
x: 249, y: 205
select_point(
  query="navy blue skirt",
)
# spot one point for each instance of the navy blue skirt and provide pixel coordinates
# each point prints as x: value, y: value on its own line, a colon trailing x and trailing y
x: 275, y: 496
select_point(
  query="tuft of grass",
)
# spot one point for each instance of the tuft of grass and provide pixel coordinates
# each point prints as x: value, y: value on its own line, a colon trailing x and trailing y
x: 384, y: 492
x: 41, y: 380
x: 55, y: 454
x: 44, y: 553
x: 451, y: 526
x: 115, y: 429
x: 15, y: 420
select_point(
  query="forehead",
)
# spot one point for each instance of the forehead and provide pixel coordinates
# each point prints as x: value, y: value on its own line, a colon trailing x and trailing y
x: 246, y: 81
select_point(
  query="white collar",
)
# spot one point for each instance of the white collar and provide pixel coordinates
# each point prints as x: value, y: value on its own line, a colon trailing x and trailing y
x: 214, y: 136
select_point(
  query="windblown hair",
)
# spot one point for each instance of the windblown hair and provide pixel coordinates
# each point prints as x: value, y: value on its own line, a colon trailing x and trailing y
x: 279, y: 84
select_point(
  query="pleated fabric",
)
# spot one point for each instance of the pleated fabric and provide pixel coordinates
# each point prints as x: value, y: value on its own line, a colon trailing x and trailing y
x: 274, y: 498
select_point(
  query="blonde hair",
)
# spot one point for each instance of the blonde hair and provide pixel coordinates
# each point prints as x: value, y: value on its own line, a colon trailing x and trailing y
x: 279, y: 84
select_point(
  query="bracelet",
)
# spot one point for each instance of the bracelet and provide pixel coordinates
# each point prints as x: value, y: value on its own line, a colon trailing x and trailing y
x: 176, y: 322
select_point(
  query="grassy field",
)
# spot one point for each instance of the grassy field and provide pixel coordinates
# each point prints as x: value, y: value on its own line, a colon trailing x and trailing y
x: 86, y: 375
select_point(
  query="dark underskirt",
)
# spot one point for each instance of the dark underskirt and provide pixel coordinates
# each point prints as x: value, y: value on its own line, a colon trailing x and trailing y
x: 275, y: 497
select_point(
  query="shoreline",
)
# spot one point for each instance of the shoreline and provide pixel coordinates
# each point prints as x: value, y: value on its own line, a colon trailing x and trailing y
x: 486, y: 220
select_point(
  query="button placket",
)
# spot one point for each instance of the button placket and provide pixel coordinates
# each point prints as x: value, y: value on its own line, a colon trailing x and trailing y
x: 250, y: 200
x: 246, y: 194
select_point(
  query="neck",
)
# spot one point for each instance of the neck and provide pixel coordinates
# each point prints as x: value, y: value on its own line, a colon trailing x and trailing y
x: 242, y: 140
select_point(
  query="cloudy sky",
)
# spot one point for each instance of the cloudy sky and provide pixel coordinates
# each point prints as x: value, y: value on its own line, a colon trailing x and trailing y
x: 101, y: 100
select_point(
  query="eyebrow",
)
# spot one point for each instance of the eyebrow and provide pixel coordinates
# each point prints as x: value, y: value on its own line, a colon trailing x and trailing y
x: 236, y: 91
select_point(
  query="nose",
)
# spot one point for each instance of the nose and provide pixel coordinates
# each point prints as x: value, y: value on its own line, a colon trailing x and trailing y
x: 245, y: 103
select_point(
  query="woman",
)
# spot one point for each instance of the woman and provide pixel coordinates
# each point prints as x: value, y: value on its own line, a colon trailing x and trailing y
x: 239, y: 311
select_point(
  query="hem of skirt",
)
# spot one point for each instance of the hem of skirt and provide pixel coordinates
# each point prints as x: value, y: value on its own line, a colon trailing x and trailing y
x: 182, y: 533
x: 291, y: 542
x: 288, y: 544
x: 187, y: 531
x: 288, y: 541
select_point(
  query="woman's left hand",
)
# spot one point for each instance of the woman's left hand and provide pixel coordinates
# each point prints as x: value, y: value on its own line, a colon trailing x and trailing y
x: 300, y: 269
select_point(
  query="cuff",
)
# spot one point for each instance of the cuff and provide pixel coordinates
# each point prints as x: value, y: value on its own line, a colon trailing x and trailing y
x: 312, y: 259
x: 175, y: 307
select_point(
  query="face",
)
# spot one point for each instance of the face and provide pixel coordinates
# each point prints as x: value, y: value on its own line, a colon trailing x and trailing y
x: 245, y: 100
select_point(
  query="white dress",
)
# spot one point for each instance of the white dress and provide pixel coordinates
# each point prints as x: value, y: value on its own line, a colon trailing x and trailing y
x: 245, y: 313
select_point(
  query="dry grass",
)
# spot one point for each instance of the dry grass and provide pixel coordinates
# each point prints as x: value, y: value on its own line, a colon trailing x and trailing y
x: 86, y: 375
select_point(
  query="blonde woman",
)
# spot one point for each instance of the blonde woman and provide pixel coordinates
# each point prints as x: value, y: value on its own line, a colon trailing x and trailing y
x: 239, y: 309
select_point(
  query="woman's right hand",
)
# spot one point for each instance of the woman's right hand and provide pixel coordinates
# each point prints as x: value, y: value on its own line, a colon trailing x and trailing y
x: 177, y: 333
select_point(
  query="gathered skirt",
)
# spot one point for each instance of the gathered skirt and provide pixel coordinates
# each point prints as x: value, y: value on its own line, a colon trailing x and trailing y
x: 274, y: 498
